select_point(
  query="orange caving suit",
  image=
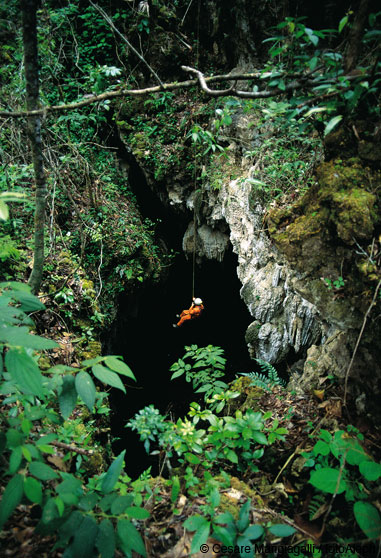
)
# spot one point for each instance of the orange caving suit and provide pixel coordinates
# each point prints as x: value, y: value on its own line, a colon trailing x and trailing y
x: 193, y: 312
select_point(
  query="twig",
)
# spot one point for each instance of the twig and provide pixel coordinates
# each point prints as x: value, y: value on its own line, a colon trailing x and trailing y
x: 358, y: 341
x: 70, y: 447
x: 283, y: 518
x: 99, y: 272
x: 299, y: 447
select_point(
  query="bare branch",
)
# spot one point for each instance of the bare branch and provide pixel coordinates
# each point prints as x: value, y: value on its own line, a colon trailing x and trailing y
x: 203, y: 85
x: 72, y: 448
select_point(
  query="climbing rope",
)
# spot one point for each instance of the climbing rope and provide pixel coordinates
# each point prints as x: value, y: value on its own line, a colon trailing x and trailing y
x: 194, y: 243
x: 195, y: 169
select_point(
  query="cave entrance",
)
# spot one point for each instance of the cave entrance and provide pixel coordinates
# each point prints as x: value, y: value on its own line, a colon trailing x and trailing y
x: 145, y: 336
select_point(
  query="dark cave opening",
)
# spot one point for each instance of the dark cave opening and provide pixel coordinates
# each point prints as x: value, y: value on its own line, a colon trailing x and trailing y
x: 145, y: 336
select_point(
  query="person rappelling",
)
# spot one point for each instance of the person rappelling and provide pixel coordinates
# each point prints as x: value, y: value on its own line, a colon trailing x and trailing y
x: 193, y: 312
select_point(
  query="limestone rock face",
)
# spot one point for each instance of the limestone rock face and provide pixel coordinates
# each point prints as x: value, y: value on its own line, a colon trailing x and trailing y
x: 283, y: 320
x: 210, y: 243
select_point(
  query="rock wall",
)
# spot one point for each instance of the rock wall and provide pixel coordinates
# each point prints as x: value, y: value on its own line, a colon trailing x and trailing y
x: 283, y: 321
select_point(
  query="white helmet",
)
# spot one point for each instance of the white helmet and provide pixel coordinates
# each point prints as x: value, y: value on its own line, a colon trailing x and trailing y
x: 197, y: 301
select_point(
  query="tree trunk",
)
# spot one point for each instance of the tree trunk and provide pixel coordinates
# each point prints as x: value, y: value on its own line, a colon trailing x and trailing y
x: 29, y: 24
x: 354, y: 37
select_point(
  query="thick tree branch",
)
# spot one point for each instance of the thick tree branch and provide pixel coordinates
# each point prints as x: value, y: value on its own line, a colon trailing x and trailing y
x: 304, y: 81
x: 89, y: 100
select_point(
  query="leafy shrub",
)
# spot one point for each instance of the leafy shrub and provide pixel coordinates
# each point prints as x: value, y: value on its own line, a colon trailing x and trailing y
x: 342, y: 466
x: 208, y: 365
x: 8, y: 250
x: 88, y: 515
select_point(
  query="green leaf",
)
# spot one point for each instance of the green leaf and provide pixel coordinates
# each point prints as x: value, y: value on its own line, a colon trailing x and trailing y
x: 231, y: 455
x: 67, y: 399
x: 46, y: 439
x: 342, y: 444
x: 223, y: 535
x: 21, y: 293
x: 105, y: 541
x: 119, y: 505
x: 194, y: 522
x: 370, y: 470
x: 107, y: 377
x: 321, y: 448
x: 178, y: 373
x: 13, y: 196
x: 343, y: 22
x: 72, y: 523
x: 193, y: 459
x: 137, y: 513
x: 282, y: 530
x: 215, y: 498
x: 113, y: 473
x: 311, y: 35
x: 253, y: 532
x: 20, y: 336
x: 260, y: 438
x: 42, y: 471
x: 85, y: 388
x: 130, y: 536
x: 33, y: 490
x: 175, y: 488
x: 200, y: 537
x: 88, y: 501
x: 91, y: 361
x: 24, y: 371
x: 11, y: 498
x: 60, y: 506
x: 15, y: 460
x: 84, y: 538
x: 70, y: 485
x: 243, y: 517
x: 26, y: 453
x: 368, y: 519
x: 332, y: 123
x: 119, y: 366
x: 50, y: 511
x: 4, y: 211
x: 327, y: 480
x: 14, y: 438
x: 325, y: 435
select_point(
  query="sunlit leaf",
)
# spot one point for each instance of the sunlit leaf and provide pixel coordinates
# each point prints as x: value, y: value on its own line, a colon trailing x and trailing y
x: 108, y: 377
x: 113, y: 473
x: 332, y: 123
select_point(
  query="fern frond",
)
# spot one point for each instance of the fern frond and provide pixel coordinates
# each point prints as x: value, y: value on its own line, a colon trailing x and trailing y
x: 258, y: 380
x: 317, y: 506
x: 268, y: 379
x: 272, y: 374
